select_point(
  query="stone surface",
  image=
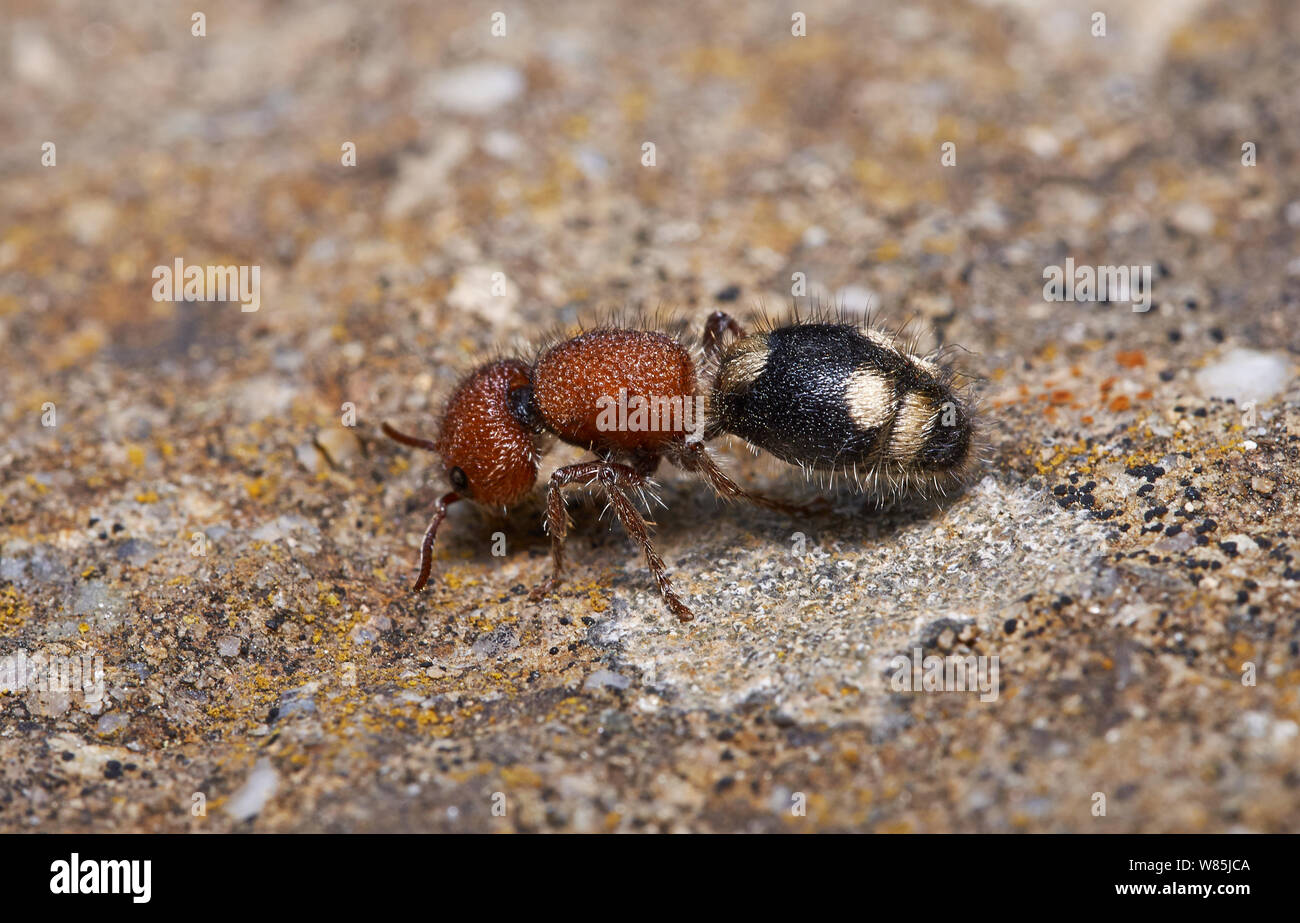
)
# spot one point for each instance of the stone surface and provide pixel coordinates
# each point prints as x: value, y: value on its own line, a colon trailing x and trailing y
x: 184, y: 497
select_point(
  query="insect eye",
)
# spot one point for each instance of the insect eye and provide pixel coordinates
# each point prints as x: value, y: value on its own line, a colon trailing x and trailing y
x: 520, y: 403
x: 458, y: 479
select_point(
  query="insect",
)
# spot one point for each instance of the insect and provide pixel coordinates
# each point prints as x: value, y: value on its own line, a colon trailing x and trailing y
x: 629, y: 396
x: 829, y: 397
x: 840, y: 398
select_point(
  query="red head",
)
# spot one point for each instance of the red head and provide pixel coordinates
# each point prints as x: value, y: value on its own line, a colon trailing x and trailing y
x: 488, y: 455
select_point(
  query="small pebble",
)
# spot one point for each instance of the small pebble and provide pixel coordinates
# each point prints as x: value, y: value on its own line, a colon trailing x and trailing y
x: 1245, y: 375
x: 476, y: 89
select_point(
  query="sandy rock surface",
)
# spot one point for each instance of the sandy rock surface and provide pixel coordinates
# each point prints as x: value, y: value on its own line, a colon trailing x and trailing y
x: 188, y: 513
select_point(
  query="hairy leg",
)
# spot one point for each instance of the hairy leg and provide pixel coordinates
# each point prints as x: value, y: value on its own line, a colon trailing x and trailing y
x: 719, y: 322
x: 426, y: 547
x: 439, y: 510
x: 615, y: 479
x: 695, y: 458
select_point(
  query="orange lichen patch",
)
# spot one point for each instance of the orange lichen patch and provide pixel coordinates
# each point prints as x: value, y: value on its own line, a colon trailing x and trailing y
x: 1130, y: 358
x: 597, y: 597
x: 1061, y: 396
x: 768, y: 229
x: 633, y: 105
x: 1145, y: 394
x: 715, y: 61
x: 521, y: 777
x: 14, y: 609
x: 1120, y: 404
x: 246, y: 451
x: 76, y: 347
x: 1107, y: 385
x: 1204, y: 36
x: 887, y: 252
x: 398, y: 465
x: 903, y: 825
x: 942, y: 245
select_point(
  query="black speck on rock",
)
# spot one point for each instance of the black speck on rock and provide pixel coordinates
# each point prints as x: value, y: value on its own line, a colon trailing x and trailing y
x: 1150, y: 472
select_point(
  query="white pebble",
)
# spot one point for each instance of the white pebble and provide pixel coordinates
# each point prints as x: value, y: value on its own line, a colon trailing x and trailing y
x: 90, y: 220
x: 256, y: 792
x: 487, y: 292
x: 815, y: 237
x: 476, y: 89
x: 1193, y: 218
x: 603, y: 679
x: 503, y: 145
x: 1245, y: 375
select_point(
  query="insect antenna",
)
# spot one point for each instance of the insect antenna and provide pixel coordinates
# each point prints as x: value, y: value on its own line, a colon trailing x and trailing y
x: 414, y: 442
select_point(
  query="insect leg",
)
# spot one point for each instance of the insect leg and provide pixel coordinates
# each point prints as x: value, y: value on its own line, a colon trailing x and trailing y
x: 615, y: 479
x: 426, y: 547
x: 719, y: 322
x: 695, y: 458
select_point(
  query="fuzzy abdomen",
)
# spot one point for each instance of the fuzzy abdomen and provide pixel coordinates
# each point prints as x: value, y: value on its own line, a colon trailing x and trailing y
x: 838, y: 397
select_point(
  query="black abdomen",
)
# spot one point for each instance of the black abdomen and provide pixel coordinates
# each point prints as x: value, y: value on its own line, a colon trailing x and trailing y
x: 840, y: 397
